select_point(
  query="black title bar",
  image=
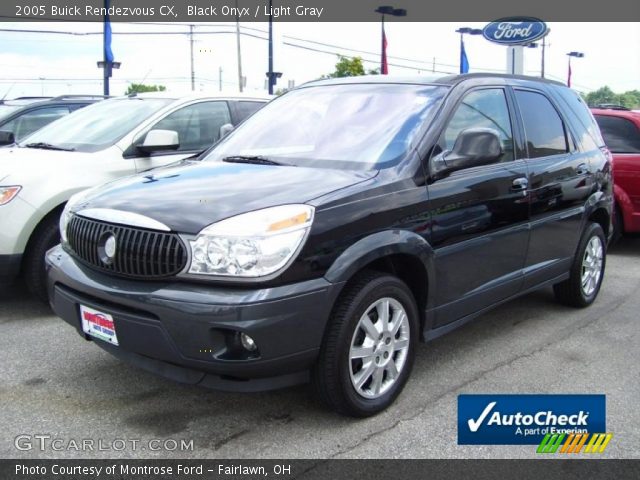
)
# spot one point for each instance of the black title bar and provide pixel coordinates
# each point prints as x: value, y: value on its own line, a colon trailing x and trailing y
x: 194, y: 11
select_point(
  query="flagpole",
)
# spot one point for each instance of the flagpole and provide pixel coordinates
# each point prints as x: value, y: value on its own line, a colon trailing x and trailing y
x: 382, y: 49
x: 394, y: 12
x: 461, y: 53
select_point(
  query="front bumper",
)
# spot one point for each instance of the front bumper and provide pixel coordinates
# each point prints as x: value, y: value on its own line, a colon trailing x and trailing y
x: 178, y: 330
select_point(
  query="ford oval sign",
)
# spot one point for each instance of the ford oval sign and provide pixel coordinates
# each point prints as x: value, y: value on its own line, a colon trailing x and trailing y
x: 515, y: 30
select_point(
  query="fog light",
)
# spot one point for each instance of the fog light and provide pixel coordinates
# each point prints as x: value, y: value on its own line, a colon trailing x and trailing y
x: 247, y: 342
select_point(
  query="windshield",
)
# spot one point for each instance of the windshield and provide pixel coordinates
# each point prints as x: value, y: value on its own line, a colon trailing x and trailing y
x: 6, y: 110
x: 97, y: 126
x: 337, y: 126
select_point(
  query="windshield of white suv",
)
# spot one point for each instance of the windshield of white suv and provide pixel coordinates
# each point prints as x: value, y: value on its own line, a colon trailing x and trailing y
x: 350, y: 126
x: 97, y: 126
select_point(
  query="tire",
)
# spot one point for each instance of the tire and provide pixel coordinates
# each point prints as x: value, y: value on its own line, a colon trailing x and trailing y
x: 337, y: 371
x: 46, y: 236
x: 586, y: 265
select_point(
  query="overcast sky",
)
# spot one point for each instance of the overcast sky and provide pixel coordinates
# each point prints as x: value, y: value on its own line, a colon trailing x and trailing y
x: 53, y: 64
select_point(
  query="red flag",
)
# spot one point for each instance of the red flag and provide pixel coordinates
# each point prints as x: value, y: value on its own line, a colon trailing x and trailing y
x: 384, y: 70
x: 569, y: 75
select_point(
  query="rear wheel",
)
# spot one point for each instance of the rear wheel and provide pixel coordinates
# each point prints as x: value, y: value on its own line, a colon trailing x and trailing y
x: 587, y: 271
x: 46, y: 236
x: 369, y: 348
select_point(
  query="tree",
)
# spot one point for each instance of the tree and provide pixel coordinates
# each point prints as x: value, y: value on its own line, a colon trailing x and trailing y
x: 349, y: 67
x: 141, y: 88
x: 629, y: 99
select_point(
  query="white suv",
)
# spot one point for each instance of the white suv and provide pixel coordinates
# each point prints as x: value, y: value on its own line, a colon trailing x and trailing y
x: 97, y: 144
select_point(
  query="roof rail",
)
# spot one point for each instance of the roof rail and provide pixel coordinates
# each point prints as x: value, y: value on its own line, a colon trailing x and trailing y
x: 30, y: 98
x: 72, y: 97
x: 612, y: 106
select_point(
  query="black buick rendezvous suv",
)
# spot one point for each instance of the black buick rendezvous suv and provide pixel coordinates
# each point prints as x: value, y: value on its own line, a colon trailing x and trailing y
x: 336, y: 228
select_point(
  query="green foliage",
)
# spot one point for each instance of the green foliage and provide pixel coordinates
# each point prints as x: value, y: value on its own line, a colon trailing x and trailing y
x: 350, y: 67
x: 142, y: 88
x: 629, y: 99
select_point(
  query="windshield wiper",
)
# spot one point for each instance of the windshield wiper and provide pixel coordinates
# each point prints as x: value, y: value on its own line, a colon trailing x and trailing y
x: 256, y: 159
x: 48, y: 146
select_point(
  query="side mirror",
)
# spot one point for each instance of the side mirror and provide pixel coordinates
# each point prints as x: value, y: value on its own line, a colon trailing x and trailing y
x: 160, y: 141
x: 473, y: 147
x: 7, y: 138
x: 225, y: 130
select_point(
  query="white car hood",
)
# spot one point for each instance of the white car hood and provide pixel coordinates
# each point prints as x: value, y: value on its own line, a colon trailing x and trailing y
x: 19, y: 165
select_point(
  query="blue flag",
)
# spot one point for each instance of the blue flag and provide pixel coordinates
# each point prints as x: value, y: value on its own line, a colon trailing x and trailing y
x: 108, y: 53
x: 464, y: 61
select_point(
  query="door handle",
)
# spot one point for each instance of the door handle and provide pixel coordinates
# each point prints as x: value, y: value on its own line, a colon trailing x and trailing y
x: 520, y: 184
x: 583, y: 169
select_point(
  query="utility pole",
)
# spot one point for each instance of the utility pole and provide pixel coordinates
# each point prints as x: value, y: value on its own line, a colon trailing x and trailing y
x: 270, y: 73
x: 220, y: 78
x: 240, y: 86
x: 193, y: 70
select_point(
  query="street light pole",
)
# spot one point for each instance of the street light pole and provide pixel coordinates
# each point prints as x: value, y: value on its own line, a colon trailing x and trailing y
x: 569, y: 55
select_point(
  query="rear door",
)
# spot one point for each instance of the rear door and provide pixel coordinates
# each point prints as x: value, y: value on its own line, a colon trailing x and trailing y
x: 479, y: 215
x: 560, y: 182
x: 198, y: 126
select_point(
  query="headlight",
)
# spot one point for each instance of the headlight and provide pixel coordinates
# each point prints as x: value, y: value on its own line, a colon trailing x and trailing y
x: 253, y: 244
x: 8, y: 193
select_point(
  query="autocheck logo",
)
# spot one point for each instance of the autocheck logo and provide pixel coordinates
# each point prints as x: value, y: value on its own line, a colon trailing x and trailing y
x: 521, y: 419
x: 526, y: 419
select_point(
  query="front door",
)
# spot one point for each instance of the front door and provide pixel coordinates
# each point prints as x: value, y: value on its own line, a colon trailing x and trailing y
x: 479, y: 215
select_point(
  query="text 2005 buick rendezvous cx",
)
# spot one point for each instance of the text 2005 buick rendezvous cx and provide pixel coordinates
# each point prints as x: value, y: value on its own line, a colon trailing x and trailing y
x: 337, y: 227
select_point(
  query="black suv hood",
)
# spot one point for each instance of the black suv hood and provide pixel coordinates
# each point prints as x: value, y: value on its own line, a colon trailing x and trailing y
x: 190, y: 197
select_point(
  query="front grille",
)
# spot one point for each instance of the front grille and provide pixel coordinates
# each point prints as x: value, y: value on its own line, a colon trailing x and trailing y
x: 139, y: 252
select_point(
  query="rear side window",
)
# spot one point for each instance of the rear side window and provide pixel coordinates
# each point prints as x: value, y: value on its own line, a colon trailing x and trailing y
x: 543, y: 126
x: 246, y: 109
x: 581, y: 111
x: 620, y: 134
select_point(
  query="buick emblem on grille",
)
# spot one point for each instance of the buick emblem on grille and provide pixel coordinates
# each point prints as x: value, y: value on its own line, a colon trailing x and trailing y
x: 107, y: 248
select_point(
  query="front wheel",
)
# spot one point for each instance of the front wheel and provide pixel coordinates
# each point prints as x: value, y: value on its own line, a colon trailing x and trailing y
x: 46, y: 236
x: 587, y: 271
x: 369, y: 348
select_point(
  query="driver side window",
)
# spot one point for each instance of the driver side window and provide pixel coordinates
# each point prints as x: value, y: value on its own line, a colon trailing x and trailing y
x: 198, y: 125
x: 486, y: 108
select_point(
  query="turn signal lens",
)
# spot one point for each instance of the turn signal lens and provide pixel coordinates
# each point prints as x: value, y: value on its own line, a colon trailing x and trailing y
x: 8, y: 193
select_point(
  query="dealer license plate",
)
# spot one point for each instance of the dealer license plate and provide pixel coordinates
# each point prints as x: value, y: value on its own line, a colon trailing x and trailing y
x: 98, y: 324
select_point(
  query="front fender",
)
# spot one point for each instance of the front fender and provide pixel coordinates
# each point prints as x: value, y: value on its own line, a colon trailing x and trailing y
x: 379, y: 245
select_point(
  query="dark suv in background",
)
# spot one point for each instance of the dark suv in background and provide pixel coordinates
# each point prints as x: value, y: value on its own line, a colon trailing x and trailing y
x: 21, y: 117
x: 335, y: 228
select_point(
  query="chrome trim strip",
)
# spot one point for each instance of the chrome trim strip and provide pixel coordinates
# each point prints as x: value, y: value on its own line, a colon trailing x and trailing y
x: 124, y: 218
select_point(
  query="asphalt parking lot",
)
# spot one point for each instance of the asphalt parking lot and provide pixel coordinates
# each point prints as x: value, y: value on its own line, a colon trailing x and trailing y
x: 54, y: 383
